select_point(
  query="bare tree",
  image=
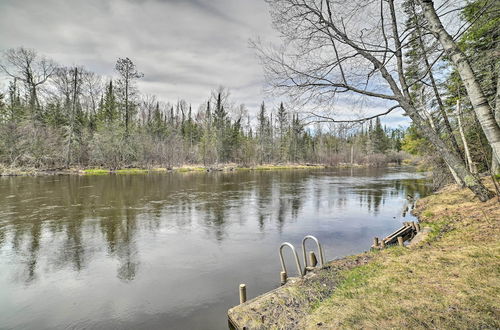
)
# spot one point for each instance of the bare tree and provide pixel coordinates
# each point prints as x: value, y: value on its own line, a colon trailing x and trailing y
x: 92, y: 88
x: 337, y: 49
x: 26, y: 66
x: 128, y: 72
x: 147, y: 107
x: 68, y: 82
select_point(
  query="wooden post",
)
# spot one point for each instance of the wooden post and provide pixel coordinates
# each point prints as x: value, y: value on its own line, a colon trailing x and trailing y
x: 313, y: 261
x: 243, y: 293
x: 400, y: 241
x: 283, y: 278
x: 382, y: 244
x: 375, y: 242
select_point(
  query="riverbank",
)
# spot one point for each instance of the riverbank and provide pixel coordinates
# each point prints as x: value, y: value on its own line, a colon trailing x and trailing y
x: 448, y: 280
x: 9, y: 171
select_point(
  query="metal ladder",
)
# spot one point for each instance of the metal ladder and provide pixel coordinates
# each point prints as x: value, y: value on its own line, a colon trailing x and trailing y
x: 301, y: 271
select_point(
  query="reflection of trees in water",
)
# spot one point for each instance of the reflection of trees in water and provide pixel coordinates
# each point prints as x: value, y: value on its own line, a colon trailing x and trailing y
x: 33, y: 248
x: 126, y: 248
x: 119, y: 231
x: 214, y: 218
x: 278, y: 196
x: 373, y: 195
x: 73, y: 250
x: 263, y: 190
x: 61, y: 218
x: 2, y: 236
x: 280, y: 218
x: 64, y: 224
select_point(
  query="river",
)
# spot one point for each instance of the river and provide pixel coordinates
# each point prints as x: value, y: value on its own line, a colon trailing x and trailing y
x: 168, y: 251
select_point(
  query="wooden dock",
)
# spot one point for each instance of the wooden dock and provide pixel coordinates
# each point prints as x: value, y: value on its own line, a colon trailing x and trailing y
x: 405, y: 233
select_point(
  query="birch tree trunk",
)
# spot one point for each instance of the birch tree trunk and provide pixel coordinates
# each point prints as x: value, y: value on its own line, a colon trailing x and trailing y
x: 472, y: 166
x: 495, y: 163
x: 439, y: 100
x: 479, y: 102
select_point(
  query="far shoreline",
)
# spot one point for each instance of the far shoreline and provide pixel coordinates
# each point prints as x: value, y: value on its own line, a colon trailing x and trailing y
x: 92, y: 171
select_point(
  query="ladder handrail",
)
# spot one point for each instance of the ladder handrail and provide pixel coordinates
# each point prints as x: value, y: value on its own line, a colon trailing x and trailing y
x: 320, y: 250
x: 297, y: 262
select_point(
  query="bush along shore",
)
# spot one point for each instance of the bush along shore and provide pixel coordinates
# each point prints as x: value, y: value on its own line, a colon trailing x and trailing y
x: 448, y: 278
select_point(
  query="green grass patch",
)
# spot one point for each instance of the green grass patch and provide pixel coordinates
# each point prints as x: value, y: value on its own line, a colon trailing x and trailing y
x: 96, y: 171
x: 356, y: 278
x: 428, y: 214
x: 437, y: 229
x: 186, y: 169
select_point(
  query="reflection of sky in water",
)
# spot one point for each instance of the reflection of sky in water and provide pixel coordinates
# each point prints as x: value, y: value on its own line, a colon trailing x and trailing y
x: 158, y: 250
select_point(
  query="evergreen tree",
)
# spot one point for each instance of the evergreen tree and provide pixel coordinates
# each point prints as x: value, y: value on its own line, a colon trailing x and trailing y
x: 109, y: 106
x: 282, y: 118
x: 378, y: 138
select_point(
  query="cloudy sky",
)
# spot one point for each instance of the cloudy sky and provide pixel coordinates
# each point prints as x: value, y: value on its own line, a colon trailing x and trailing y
x: 185, y: 48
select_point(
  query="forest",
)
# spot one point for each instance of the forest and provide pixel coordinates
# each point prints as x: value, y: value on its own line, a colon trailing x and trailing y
x: 56, y: 117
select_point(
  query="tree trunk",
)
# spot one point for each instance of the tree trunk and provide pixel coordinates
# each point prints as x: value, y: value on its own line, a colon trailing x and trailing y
x: 472, y: 166
x: 126, y: 106
x: 479, y: 102
x: 72, y: 118
x: 439, y: 100
x: 495, y: 163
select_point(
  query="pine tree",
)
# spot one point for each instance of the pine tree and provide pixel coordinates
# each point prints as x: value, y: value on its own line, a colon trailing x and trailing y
x: 378, y: 138
x: 109, y: 108
x: 263, y: 134
x: 282, y: 118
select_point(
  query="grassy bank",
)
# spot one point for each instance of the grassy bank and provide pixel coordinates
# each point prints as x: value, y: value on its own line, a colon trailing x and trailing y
x: 450, y: 280
x: 9, y: 171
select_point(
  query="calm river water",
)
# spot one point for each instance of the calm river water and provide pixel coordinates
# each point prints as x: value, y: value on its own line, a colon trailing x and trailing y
x: 168, y: 251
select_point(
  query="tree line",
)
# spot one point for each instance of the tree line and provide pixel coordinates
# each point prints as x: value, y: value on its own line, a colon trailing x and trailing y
x: 53, y: 116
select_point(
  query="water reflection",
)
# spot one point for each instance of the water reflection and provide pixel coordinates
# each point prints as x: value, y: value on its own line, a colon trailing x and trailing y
x: 65, y: 226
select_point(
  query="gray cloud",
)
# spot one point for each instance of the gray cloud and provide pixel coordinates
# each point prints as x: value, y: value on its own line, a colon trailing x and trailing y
x: 185, y: 48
